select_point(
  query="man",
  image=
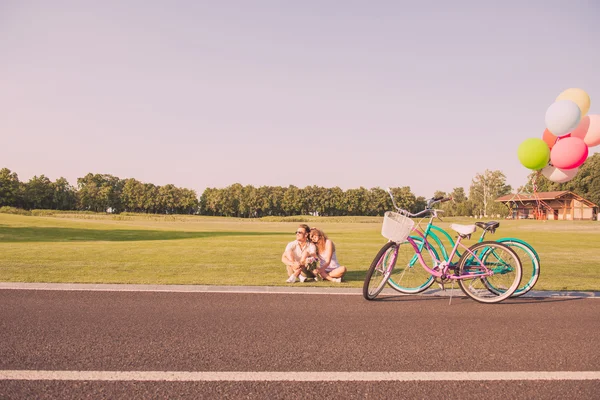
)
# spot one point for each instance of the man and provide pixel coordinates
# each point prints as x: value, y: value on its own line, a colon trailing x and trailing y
x: 293, y: 254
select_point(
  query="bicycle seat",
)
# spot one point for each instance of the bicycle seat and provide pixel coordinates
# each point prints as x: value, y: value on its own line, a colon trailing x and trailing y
x: 488, y: 226
x: 463, y: 230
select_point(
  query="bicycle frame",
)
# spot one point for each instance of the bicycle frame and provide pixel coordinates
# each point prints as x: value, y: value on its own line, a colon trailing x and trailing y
x: 445, y: 264
x: 431, y: 229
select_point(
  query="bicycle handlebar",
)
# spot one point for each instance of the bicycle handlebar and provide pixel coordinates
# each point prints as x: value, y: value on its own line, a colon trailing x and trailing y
x: 427, y: 209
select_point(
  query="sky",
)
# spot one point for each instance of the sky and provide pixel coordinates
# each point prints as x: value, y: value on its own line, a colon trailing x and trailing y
x: 349, y: 93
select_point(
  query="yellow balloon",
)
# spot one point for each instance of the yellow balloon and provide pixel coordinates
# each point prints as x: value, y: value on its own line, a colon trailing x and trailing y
x: 579, y: 97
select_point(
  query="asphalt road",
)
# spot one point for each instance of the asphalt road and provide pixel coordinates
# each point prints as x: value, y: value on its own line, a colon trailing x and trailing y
x: 298, y: 336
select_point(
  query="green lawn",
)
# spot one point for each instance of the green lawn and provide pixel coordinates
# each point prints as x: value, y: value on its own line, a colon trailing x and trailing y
x: 86, y: 248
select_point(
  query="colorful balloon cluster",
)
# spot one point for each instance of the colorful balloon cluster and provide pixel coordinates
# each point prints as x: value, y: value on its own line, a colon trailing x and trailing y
x: 564, y: 145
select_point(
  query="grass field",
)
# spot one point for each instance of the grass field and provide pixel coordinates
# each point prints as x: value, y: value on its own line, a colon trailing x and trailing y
x: 85, y: 248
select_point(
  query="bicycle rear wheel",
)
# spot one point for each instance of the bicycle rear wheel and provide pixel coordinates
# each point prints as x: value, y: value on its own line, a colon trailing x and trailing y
x: 530, y: 262
x: 380, y: 270
x: 409, y: 276
x: 497, y: 258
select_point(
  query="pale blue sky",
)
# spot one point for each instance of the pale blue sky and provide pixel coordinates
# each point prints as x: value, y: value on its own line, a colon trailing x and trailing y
x: 330, y: 93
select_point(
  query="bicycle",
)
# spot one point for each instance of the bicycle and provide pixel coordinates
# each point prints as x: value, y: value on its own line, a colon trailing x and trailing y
x: 488, y: 272
x: 418, y: 281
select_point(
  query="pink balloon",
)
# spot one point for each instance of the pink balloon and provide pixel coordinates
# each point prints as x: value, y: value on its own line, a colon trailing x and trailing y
x: 589, y: 130
x: 568, y: 153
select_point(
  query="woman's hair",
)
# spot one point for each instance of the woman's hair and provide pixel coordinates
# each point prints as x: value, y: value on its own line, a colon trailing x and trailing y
x: 305, y: 227
x: 322, y: 239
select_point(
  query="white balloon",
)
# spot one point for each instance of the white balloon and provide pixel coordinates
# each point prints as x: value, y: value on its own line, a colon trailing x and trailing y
x: 559, y: 175
x: 562, y: 117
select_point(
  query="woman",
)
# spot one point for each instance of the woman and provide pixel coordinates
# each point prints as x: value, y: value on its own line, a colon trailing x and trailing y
x: 329, y: 268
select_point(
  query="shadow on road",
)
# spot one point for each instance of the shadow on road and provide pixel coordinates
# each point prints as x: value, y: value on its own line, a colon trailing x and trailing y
x: 539, y: 300
x: 511, y: 301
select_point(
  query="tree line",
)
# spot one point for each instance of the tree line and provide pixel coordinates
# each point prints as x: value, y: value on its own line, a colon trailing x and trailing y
x: 97, y: 193
x: 107, y: 193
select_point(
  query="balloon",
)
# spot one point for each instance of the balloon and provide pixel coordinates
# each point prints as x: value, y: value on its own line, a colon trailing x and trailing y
x: 533, y: 153
x: 562, y: 117
x: 559, y: 175
x: 550, y: 139
x: 568, y: 153
x: 577, y: 96
x: 588, y: 130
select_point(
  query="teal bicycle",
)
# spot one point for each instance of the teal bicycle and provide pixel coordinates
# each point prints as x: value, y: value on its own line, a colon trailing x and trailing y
x: 488, y: 272
x: 410, y: 278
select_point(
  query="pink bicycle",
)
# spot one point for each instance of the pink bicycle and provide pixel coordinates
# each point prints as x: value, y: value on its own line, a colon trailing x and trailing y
x: 488, y: 271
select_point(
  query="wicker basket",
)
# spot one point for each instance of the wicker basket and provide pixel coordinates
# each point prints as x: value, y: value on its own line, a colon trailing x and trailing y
x: 396, y: 227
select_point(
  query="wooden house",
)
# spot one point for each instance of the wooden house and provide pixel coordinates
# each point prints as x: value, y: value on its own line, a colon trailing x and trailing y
x: 563, y: 205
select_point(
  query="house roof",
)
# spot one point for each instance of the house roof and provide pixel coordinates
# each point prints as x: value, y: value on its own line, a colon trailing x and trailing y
x: 524, y: 197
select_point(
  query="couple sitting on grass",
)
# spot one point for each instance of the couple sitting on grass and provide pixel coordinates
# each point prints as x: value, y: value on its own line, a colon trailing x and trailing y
x: 312, y: 255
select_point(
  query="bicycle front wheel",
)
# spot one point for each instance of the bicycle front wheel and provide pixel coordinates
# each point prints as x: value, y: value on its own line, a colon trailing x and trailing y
x: 380, y: 270
x: 497, y: 258
x: 530, y: 262
x: 409, y: 276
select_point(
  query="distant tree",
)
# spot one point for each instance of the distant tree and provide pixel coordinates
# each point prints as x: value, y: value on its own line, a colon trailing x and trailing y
x: 380, y: 202
x: 188, y: 202
x: 167, y: 199
x: 420, y: 203
x: 9, y: 188
x: 249, y: 204
x: 150, y: 198
x: 132, y: 196
x: 334, y: 205
x: 210, y: 201
x: 64, y: 195
x: 485, y: 188
x: 38, y: 193
x: 405, y: 199
x: 100, y: 192
x: 292, y: 201
x: 355, y: 201
x: 460, y: 203
x: 314, y: 199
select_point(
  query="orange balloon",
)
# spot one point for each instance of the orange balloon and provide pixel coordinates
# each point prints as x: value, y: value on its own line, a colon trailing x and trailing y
x: 549, y: 138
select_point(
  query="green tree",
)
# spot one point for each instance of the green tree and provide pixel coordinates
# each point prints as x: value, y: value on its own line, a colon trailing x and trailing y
x: 380, y: 202
x: 210, y: 201
x: 249, y: 205
x: 9, y: 188
x: 38, y: 193
x: 132, y: 196
x: 188, y: 202
x: 100, y: 192
x: 292, y: 201
x: 406, y: 200
x: 356, y: 201
x: 64, y: 195
x: 150, y: 198
x: 460, y: 205
x: 485, y: 188
x: 334, y: 201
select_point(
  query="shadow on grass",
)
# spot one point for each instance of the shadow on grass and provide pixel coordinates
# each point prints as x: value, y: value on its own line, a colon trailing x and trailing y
x: 355, y: 276
x: 37, y: 234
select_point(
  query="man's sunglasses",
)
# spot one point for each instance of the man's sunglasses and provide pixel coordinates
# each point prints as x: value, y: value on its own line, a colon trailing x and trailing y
x: 300, y: 232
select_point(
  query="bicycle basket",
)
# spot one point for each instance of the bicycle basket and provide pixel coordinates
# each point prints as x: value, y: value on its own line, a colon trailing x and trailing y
x: 396, y: 227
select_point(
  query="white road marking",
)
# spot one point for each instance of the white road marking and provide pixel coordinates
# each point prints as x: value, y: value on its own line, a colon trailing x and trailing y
x: 297, y: 376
